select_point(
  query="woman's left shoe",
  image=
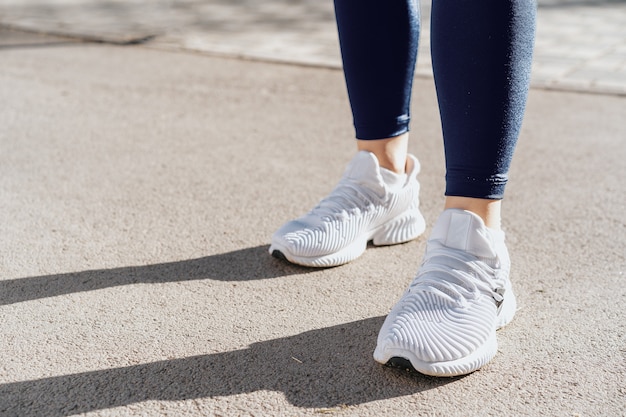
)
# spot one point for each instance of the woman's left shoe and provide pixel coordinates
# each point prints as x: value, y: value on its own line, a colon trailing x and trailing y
x: 445, y: 323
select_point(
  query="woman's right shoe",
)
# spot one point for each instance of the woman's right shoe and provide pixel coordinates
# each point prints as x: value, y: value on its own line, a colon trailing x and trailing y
x: 360, y: 209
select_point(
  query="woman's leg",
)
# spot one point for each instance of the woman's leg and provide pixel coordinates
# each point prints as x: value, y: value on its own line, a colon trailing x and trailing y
x: 379, y: 48
x: 481, y: 53
x: 378, y: 197
x: 445, y: 323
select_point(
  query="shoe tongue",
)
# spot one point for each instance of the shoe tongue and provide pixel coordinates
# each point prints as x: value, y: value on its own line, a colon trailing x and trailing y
x: 364, y: 169
x: 463, y: 230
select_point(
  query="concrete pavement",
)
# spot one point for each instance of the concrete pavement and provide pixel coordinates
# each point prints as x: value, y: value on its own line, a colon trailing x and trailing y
x: 581, y: 44
x: 138, y: 190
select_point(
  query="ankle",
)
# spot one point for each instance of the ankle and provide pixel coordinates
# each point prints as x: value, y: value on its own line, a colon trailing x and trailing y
x: 390, y: 152
x: 488, y: 210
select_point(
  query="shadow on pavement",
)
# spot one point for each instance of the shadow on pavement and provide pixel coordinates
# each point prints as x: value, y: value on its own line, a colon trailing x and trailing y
x: 240, y: 265
x: 321, y: 368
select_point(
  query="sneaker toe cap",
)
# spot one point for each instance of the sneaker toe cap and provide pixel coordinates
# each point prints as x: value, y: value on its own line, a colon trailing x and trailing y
x: 296, y: 238
x: 435, y: 331
x: 300, y: 239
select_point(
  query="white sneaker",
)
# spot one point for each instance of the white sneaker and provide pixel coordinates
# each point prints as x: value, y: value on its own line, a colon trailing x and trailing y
x: 445, y: 323
x: 360, y: 208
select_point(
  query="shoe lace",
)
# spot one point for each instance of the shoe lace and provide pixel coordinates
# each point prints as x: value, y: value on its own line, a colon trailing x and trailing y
x: 458, y: 276
x: 348, y: 197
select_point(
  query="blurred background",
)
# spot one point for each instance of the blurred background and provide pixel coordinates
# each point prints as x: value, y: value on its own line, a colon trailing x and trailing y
x: 581, y: 44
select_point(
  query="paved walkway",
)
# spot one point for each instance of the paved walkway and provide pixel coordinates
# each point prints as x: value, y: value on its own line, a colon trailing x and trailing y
x: 581, y: 44
x: 139, y: 187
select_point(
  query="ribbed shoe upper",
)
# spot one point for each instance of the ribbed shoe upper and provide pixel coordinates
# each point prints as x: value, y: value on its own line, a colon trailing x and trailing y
x: 359, y: 203
x: 450, y: 309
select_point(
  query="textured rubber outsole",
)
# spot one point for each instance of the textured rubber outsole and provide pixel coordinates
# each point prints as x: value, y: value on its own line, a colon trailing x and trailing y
x: 462, y: 366
x: 347, y: 254
x: 278, y: 255
x: 404, y: 228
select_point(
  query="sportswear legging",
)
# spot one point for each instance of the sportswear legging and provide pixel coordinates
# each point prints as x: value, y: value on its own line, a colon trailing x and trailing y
x: 481, y: 55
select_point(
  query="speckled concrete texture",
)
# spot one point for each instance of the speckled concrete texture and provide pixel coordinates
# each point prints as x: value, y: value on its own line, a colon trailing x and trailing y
x: 138, y: 191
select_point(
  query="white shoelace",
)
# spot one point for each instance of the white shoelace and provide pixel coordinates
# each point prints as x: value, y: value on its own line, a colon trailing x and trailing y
x: 457, y: 276
x: 347, y: 197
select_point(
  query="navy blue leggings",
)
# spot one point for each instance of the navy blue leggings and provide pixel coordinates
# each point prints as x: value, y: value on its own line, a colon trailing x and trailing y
x: 481, y: 54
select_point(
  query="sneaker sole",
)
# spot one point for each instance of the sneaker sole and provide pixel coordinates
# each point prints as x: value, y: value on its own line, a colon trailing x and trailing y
x: 401, y: 229
x: 468, y: 364
x: 400, y: 358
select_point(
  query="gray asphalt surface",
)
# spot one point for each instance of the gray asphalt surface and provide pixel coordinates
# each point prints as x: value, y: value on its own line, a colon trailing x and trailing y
x: 140, y: 185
